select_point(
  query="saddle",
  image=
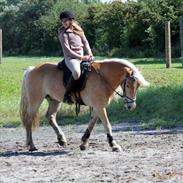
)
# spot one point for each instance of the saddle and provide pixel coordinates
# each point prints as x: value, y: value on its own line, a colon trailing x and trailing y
x: 80, y: 83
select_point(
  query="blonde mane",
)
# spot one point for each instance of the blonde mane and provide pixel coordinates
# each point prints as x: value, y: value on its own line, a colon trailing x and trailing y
x: 137, y: 73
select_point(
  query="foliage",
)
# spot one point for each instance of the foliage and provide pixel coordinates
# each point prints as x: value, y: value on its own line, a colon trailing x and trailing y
x: 113, y: 29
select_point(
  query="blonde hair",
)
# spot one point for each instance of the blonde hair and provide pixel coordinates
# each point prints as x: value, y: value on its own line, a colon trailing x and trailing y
x: 77, y: 29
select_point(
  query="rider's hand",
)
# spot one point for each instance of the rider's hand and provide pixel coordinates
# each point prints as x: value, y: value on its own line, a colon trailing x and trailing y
x: 86, y: 57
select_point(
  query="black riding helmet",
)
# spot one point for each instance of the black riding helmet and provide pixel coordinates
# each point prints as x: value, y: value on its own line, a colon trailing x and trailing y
x: 66, y: 14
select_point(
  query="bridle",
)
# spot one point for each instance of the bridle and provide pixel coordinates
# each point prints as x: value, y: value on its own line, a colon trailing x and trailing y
x: 128, y: 100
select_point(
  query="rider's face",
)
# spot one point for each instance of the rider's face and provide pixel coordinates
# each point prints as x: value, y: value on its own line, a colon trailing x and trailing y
x: 66, y: 22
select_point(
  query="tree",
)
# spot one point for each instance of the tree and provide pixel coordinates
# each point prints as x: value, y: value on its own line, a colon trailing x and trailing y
x: 113, y: 29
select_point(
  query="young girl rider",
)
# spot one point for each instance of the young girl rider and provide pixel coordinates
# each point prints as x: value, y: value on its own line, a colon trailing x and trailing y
x: 74, y: 45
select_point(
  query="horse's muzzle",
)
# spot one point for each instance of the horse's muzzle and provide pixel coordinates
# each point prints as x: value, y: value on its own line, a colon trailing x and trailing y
x: 130, y: 106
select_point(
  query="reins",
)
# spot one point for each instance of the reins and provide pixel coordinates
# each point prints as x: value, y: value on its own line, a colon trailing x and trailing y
x: 116, y: 92
x: 122, y: 96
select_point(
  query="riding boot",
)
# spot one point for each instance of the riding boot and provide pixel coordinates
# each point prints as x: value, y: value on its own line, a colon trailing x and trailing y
x: 69, y: 88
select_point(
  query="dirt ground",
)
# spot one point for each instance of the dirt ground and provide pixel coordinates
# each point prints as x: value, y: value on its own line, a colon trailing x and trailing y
x: 147, y: 156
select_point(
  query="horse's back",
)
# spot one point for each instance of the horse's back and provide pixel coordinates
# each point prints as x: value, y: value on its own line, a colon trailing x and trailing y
x: 47, y: 68
x: 47, y: 79
x: 46, y: 71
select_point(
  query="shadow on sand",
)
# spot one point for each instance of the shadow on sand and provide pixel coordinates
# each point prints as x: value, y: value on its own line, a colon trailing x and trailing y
x: 159, y: 132
x: 33, y: 154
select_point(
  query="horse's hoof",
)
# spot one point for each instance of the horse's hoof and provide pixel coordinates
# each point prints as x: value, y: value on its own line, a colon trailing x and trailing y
x: 62, y: 143
x: 83, y: 147
x: 116, y: 148
x: 31, y: 149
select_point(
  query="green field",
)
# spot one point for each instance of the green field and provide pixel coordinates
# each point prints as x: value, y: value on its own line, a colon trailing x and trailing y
x: 159, y: 105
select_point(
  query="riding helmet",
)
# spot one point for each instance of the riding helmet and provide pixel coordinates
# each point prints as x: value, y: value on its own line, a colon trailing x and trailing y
x: 66, y: 14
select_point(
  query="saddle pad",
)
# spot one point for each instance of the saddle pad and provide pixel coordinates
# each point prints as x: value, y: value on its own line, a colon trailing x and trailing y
x: 81, y: 82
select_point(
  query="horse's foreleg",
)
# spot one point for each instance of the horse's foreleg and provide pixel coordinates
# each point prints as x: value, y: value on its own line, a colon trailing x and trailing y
x: 88, y: 131
x: 105, y: 121
x: 51, y: 115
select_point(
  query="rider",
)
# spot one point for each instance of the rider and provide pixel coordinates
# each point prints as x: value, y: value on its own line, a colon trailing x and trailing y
x: 74, y: 43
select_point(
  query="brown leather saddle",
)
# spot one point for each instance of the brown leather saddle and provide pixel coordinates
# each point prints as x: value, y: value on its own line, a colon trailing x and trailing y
x: 80, y: 83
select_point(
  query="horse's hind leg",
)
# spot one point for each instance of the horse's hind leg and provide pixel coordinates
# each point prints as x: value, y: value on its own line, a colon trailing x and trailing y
x: 29, y: 141
x: 51, y: 115
x: 31, y: 121
x: 88, y: 131
x: 105, y: 121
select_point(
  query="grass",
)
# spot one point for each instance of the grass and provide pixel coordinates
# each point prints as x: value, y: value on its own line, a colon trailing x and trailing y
x: 11, y: 72
x: 158, y: 106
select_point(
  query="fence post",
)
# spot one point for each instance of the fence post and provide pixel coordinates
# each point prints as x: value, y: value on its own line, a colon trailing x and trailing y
x: 167, y: 44
x: 1, y: 46
x: 181, y: 37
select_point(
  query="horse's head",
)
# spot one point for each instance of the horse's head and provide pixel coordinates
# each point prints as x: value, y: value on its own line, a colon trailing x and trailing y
x: 130, y: 85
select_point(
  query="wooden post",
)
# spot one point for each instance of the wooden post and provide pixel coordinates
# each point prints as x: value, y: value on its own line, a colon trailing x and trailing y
x: 181, y: 37
x: 1, y: 46
x: 167, y: 44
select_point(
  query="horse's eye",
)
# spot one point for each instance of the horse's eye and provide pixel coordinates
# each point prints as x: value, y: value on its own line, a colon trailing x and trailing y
x: 132, y: 78
x: 127, y: 86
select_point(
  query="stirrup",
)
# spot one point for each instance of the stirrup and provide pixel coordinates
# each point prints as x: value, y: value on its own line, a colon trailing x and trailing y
x: 67, y: 99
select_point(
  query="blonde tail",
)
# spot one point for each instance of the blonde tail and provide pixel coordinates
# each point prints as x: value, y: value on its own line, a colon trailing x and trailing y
x: 29, y: 116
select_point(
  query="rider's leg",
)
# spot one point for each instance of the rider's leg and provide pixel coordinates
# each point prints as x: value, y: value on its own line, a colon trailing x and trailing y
x: 74, y: 66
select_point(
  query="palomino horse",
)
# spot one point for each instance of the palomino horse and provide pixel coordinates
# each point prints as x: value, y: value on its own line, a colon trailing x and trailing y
x: 46, y: 82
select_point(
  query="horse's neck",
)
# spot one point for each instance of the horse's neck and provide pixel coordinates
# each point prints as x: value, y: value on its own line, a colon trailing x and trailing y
x: 112, y: 72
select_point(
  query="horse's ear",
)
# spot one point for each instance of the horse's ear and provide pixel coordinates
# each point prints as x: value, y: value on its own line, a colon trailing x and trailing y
x: 129, y: 71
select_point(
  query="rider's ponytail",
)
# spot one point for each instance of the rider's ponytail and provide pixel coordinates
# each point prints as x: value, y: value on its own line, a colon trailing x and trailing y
x: 77, y: 29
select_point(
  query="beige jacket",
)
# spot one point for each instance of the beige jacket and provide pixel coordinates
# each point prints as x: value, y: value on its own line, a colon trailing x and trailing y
x: 73, y: 45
